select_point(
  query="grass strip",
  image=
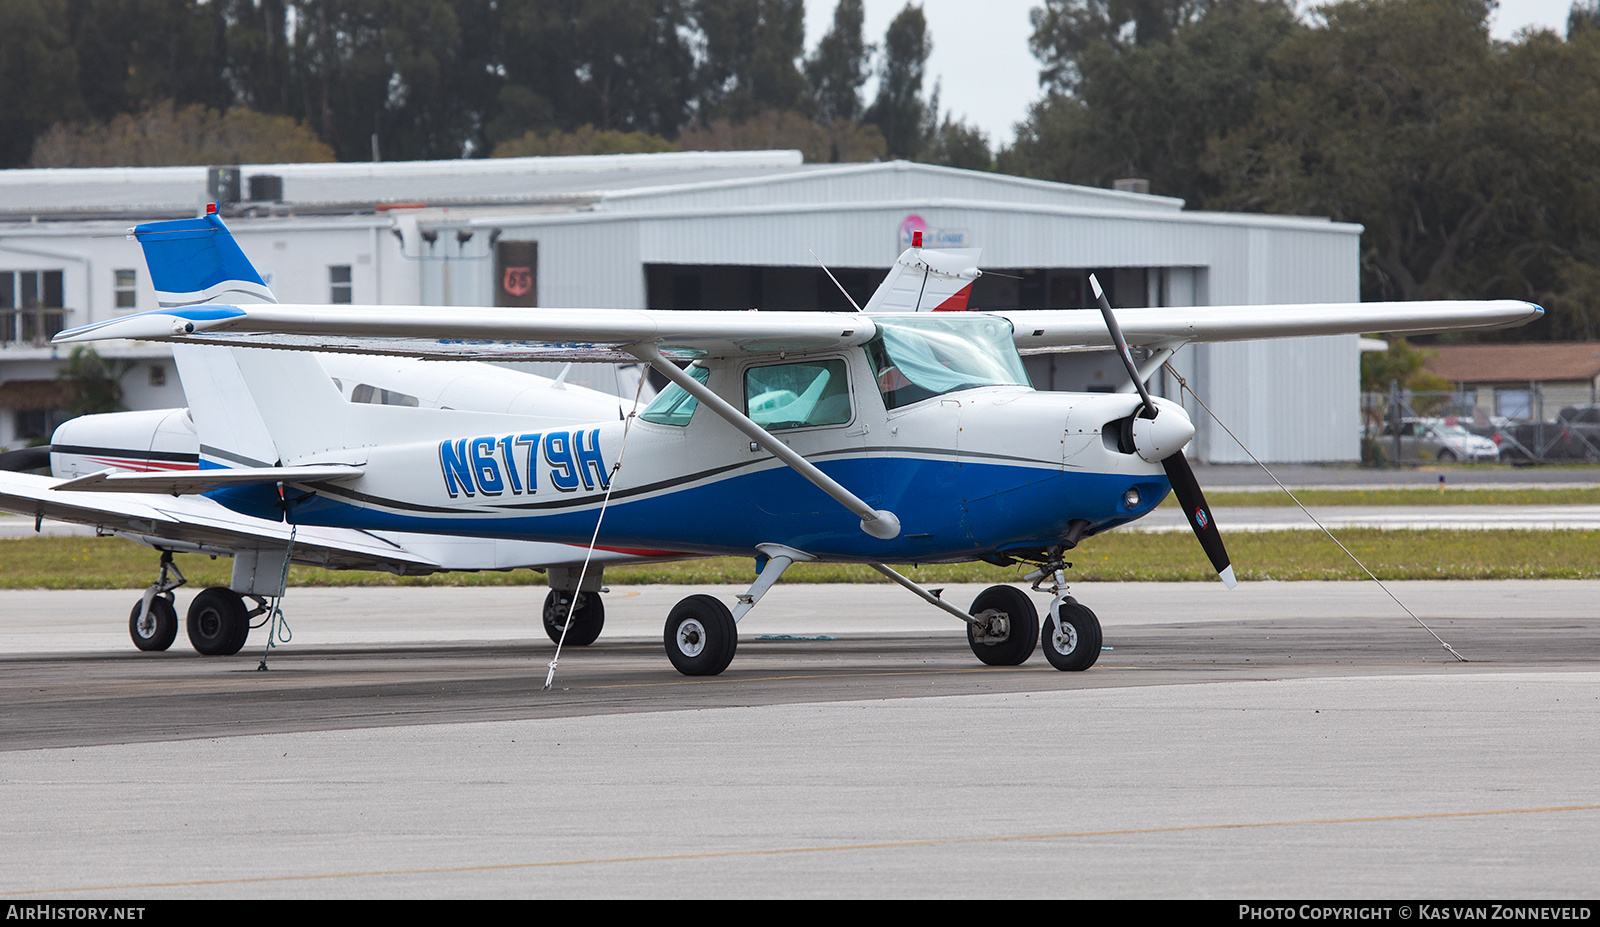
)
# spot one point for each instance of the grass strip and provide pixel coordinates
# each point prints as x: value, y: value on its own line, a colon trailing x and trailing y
x: 1313, y: 498
x: 113, y: 563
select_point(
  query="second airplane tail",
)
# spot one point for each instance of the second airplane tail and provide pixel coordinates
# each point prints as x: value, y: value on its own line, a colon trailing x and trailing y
x: 195, y: 261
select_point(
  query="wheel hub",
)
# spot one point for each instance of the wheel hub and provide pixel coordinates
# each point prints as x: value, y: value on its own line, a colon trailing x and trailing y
x: 993, y: 627
x: 210, y: 623
x: 1064, y: 638
x: 691, y: 637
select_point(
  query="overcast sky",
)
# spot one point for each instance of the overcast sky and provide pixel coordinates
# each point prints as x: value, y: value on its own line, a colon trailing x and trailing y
x: 987, y: 75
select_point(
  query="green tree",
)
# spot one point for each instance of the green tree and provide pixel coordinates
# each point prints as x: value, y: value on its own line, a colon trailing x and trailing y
x: 380, y: 68
x: 1064, y: 30
x: 38, y: 75
x: 956, y: 144
x: 135, y: 53
x: 752, y: 51
x: 622, y: 65
x: 1151, y: 110
x: 1470, y: 164
x: 94, y: 384
x: 837, y: 70
x: 587, y: 140
x: 1400, y: 363
x: 899, y: 110
x: 169, y: 135
x: 818, y: 143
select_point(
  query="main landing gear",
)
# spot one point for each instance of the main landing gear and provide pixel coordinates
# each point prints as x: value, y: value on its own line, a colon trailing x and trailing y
x: 702, y: 634
x: 218, y: 620
x: 586, y: 619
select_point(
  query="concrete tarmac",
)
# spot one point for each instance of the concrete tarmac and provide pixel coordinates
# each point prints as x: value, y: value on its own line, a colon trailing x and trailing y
x: 1285, y: 740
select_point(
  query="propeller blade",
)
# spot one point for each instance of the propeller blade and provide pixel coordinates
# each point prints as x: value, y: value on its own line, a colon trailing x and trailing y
x: 1179, y: 473
x: 1187, y: 489
x: 1122, y: 346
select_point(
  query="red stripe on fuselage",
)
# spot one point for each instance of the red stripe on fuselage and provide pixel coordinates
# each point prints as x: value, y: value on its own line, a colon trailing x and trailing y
x: 142, y: 466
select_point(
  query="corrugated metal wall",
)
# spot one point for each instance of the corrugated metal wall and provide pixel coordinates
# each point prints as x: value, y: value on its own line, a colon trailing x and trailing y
x: 1291, y: 400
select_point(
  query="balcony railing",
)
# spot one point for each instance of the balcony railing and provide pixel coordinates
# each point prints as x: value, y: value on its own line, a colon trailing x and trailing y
x: 31, y: 327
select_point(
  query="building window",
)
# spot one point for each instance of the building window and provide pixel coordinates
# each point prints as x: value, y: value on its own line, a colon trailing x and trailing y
x: 126, y: 288
x: 32, y: 307
x: 339, y: 283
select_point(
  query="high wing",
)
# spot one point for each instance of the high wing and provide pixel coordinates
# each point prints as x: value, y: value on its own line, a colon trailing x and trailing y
x: 489, y: 334
x: 200, y: 524
x: 601, y: 334
x: 1047, y: 330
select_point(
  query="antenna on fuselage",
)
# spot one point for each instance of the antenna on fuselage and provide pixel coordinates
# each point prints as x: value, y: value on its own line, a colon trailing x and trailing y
x: 835, y: 281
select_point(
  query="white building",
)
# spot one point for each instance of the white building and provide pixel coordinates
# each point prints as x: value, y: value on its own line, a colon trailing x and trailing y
x: 733, y: 230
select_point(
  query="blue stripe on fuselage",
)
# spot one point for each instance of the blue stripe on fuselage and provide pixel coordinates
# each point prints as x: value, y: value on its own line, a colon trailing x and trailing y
x: 947, y: 511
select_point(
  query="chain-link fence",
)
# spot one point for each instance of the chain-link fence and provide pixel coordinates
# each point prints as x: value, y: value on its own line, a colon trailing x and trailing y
x: 1405, y: 427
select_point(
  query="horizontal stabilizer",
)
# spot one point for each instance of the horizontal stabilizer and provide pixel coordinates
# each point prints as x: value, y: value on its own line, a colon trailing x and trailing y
x: 188, y: 482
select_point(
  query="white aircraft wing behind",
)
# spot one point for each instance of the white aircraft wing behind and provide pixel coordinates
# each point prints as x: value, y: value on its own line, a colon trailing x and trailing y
x: 200, y: 524
x: 600, y: 334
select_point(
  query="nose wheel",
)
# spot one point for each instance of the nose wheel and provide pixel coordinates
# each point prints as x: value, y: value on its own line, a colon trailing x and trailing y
x: 1071, y: 636
x: 154, y: 628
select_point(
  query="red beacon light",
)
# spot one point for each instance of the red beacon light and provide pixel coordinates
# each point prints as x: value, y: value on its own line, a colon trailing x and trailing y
x: 916, y: 239
x: 211, y: 209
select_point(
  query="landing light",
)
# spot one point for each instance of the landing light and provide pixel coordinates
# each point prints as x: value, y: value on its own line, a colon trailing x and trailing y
x: 1131, y: 498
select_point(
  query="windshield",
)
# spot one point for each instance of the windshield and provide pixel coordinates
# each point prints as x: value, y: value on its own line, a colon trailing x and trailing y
x: 915, y: 357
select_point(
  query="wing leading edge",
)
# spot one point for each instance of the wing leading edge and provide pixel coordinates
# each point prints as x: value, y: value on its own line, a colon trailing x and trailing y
x: 601, y: 334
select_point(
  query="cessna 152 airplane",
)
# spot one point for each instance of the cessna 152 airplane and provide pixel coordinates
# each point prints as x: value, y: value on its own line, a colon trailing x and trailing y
x: 887, y: 435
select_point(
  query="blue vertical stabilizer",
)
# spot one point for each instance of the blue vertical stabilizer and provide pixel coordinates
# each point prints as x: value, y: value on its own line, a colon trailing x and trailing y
x: 197, y: 261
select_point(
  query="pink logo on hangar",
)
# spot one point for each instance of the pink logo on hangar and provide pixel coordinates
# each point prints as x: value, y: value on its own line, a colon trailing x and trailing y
x: 910, y: 224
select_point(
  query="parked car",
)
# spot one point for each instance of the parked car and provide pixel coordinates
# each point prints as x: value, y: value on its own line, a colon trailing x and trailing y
x: 1437, y: 439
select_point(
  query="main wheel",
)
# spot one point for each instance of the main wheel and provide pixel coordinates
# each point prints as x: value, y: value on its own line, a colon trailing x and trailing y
x: 160, y: 625
x: 218, y: 622
x: 701, y: 636
x: 1022, y: 626
x: 587, y: 619
x: 1073, y: 644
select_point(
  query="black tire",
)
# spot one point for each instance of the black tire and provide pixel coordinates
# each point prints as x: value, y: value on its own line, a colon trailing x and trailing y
x: 701, y: 636
x: 1447, y: 456
x: 160, y: 627
x: 587, y: 619
x: 218, y: 622
x: 1078, y: 646
x: 1024, y: 620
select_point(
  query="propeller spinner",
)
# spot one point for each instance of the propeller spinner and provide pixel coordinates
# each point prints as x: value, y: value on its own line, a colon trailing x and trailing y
x: 1161, y: 437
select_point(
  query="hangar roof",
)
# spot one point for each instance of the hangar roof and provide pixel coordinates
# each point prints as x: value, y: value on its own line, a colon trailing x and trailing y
x: 628, y: 183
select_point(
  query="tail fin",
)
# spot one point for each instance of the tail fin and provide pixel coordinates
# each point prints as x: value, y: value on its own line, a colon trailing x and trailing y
x: 925, y: 280
x: 231, y: 429
x: 197, y: 261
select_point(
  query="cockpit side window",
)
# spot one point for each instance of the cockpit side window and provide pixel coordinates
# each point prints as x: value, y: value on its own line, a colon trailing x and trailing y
x: 674, y: 405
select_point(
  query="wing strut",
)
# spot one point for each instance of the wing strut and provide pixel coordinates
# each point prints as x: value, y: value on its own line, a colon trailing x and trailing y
x: 876, y: 522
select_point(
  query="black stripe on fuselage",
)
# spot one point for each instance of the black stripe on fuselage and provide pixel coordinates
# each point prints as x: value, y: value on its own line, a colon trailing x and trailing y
x: 174, y: 456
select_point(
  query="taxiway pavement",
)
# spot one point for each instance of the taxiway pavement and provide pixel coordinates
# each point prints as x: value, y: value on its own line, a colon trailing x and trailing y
x: 1283, y: 740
